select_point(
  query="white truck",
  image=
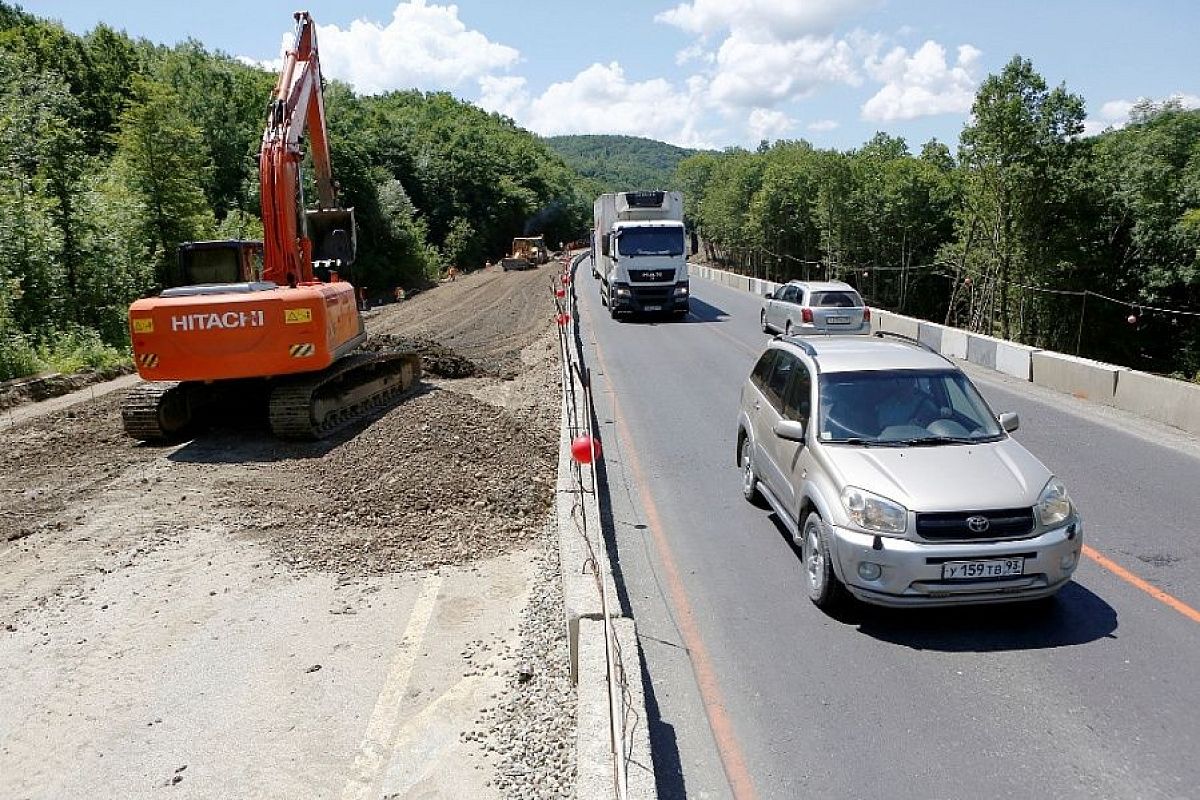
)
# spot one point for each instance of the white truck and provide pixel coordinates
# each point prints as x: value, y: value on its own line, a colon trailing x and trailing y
x: 638, y: 252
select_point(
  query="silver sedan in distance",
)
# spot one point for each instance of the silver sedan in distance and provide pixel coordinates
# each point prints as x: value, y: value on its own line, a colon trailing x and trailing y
x: 801, y: 307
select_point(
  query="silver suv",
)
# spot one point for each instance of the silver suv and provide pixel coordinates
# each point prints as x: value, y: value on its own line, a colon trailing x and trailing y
x: 895, y: 478
x: 825, y: 307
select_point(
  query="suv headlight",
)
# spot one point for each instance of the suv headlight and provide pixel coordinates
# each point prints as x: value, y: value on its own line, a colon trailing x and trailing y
x: 1053, y: 506
x: 874, y: 513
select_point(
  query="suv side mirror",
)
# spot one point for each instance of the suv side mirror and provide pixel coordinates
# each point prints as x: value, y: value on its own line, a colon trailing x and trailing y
x: 769, y: 295
x: 1009, y: 421
x: 790, y: 429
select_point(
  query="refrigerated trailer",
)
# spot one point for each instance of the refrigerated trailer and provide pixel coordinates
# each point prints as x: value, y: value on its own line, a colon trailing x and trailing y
x: 638, y: 252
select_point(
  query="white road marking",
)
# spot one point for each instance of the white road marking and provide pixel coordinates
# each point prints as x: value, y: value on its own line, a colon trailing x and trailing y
x: 381, y: 729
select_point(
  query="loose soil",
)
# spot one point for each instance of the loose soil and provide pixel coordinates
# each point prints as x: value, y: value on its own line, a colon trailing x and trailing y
x: 457, y: 479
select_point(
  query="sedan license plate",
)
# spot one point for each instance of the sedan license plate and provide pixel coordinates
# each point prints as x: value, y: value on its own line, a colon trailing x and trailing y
x: 654, y: 308
x: 974, y: 570
x: 837, y: 320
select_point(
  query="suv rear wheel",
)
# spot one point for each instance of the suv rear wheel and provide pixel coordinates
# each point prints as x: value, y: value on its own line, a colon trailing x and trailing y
x: 824, y: 588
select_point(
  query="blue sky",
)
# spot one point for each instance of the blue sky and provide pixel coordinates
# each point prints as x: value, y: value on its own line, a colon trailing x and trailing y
x: 709, y: 73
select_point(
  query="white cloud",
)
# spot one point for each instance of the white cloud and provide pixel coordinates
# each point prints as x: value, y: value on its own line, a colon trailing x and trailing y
x: 766, y: 123
x: 823, y: 125
x: 505, y: 95
x: 600, y: 99
x: 754, y: 72
x: 785, y: 19
x: 1115, y: 113
x: 695, y: 52
x: 424, y: 46
x: 922, y: 84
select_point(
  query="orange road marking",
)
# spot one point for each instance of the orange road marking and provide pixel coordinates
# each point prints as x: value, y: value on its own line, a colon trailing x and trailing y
x: 1148, y: 588
x: 732, y: 760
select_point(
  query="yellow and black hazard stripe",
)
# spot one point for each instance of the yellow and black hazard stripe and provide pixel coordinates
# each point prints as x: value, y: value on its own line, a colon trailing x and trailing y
x: 147, y: 360
x: 302, y: 350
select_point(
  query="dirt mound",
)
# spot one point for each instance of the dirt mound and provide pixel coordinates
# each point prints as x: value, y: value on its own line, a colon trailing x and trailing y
x: 440, y: 479
x: 436, y: 358
x: 42, y: 387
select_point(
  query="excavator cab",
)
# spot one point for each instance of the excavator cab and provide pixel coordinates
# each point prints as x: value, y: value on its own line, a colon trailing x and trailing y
x: 218, y: 262
x: 334, y: 238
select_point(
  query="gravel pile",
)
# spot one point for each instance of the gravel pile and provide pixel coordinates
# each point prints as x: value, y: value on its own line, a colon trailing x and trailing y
x: 529, y: 736
x: 440, y: 479
x: 436, y: 359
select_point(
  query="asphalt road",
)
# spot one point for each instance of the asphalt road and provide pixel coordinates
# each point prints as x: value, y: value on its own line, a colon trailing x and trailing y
x: 753, y: 692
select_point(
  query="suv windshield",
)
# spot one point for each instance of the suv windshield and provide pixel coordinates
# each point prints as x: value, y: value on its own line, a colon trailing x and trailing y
x: 650, y: 242
x: 911, y: 407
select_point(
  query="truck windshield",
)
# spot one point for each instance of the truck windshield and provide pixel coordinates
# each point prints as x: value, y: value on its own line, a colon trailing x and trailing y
x: 650, y: 242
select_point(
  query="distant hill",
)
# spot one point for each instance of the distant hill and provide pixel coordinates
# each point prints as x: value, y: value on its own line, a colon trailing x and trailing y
x: 618, y: 163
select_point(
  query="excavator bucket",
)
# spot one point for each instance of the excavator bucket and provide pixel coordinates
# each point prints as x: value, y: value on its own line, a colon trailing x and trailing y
x: 333, y: 235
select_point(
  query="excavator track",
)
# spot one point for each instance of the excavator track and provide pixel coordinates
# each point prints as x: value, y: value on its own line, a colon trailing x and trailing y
x: 156, y: 411
x: 315, y: 405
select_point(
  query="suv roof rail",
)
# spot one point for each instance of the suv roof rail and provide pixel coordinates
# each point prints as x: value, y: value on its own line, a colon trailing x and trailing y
x: 803, y: 345
x: 909, y: 339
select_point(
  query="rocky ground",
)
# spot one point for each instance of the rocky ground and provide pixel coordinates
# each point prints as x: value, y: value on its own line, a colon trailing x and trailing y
x: 443, y: 490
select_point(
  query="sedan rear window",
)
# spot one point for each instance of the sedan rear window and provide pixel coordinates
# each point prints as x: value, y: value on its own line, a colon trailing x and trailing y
x: 839, y: 299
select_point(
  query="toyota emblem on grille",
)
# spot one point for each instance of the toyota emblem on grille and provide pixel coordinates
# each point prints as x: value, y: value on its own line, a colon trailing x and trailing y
x: 978, y: 524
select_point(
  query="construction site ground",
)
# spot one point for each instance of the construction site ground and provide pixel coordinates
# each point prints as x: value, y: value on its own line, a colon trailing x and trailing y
x: 377, y: 615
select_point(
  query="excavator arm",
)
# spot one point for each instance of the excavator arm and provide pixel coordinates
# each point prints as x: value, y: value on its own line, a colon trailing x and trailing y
x: 294, y: 237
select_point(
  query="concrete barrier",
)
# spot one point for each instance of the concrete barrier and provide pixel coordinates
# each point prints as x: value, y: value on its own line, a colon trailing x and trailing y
x: 930, y: 334
x: 954, y: 343
x: 1001, y: 355
x: 905, y: 326
x: 593, y: 748
x: 1080, y: 377
x: 1161, y: 399
x: 981, y: 350
x: 577, y: 510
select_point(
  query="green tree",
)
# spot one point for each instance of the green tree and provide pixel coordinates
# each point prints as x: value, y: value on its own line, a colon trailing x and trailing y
x: 1020, y: 144
x: 160, y: 156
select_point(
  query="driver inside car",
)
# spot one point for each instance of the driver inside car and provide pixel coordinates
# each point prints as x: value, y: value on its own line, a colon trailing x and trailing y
x: 903, y: 403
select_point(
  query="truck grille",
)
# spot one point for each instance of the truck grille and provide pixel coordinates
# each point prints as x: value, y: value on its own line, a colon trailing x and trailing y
x: 651, y: 275
x: 1009, y: 523
x: 652, y: 295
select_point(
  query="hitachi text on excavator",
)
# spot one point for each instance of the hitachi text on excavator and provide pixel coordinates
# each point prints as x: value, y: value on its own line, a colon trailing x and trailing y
x: 249, y: 320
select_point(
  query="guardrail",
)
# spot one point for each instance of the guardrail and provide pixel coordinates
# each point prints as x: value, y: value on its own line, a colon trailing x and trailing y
x: 605, y: 662
x: 1166, y: 400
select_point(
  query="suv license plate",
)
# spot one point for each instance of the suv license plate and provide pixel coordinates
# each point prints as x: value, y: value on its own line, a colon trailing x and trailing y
x: 654, y: 308
x: 973, y: 570
x: 837, y: 320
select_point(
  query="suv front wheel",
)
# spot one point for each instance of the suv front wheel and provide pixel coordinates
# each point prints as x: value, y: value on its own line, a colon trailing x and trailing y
x: 749, y: 474
x: 824, y: 588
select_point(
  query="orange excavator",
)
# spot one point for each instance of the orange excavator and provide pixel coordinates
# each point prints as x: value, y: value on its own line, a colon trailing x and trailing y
x: 249, y: 317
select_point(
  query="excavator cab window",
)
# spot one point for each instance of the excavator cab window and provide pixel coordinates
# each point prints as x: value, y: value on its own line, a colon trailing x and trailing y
x: 219, y: 262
